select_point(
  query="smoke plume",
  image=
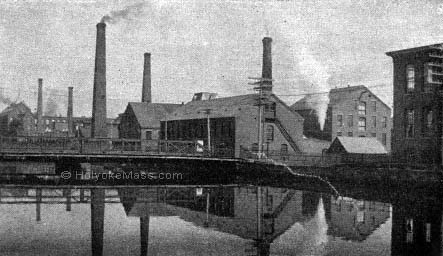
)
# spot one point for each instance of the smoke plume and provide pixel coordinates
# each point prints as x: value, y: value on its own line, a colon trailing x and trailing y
x: 126, y: 13
x: 51, y: 105
x: 315, y: 73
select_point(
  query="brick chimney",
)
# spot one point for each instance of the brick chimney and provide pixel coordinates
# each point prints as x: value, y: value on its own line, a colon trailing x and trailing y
x: 40, y: 106
x: 267, y: 62
x: 146, y: 91
x: 98, y: 125
x: 70, y: 110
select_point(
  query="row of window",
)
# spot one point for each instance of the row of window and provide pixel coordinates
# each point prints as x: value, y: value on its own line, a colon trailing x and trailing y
x: 427, y: 121
x: 351, y: 134
x: 362, y: 107
x: 410, y: 77
x: 362, y: 121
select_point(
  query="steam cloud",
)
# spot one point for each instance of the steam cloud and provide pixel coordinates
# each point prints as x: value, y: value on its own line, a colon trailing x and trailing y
x: 314, y: 72
x: 126, y: 13
x: 51, y: 105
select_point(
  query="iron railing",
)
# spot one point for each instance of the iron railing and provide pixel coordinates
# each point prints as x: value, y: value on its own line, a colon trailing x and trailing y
x: 40, y: 144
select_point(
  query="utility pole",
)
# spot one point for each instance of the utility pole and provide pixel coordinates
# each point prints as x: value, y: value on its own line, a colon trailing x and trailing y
x: 263, y: 88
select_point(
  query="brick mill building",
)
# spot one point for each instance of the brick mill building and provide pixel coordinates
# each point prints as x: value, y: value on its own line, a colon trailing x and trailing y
x: 353, y: 111
x: 417, y: 104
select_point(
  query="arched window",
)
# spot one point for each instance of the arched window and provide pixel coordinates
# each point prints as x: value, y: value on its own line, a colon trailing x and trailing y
x: 410, y: 78
x: 270, y: 133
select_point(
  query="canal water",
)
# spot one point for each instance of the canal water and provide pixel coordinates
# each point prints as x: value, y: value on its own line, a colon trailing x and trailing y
x: 213, y: 220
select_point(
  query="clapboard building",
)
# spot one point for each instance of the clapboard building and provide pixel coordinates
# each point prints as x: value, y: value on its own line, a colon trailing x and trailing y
x: 353, y: 111
x: 417, y: 104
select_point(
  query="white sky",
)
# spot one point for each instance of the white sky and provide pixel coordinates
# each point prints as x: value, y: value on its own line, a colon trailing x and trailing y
x: 205, y: 45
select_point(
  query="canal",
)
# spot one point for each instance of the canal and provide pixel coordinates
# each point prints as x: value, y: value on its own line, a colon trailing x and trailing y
x: 218, y: 219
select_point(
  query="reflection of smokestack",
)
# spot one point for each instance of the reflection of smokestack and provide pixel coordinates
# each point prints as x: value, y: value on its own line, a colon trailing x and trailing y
x: 98, y: 129
x: 70, y: 110
x: 40, y: 106
x: 267, y: 62
x: 146, y: 91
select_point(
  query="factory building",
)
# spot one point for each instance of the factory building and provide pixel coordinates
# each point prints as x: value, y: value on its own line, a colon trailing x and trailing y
x: 353, y: 111
x: 417, y: 104
x: 233, y: 123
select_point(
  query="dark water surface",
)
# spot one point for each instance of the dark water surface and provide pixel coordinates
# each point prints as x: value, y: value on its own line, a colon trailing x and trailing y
x: 267, y: 219
x: 211, y: 220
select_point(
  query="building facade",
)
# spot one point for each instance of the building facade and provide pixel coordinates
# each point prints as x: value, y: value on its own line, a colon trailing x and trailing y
x: 141, y: 120
x: 353, y: 111
x: 233, y: 123
x: 417, y: 104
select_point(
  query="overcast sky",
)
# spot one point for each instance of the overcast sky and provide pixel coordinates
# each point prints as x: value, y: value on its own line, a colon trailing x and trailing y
x: 206, y: 46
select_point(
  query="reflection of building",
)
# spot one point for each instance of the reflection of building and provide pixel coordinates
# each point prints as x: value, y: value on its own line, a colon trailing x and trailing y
x: 417, y: 103
x: 416, y: 228
x: 356, y: 219
x: 353, y: 111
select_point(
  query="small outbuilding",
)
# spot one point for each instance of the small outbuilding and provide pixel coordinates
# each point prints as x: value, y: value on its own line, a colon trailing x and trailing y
x: 358, y: 149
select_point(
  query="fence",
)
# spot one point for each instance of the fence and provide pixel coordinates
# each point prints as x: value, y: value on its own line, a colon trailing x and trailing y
x: 293, y: 159
x: 72, y: 145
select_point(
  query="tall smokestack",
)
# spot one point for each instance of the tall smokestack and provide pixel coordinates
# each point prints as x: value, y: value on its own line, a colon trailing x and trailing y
x: 99, y: 129
x: 146, y: 91
x: 40, y: 106
x: 70, y: 110
x: 267, y: 62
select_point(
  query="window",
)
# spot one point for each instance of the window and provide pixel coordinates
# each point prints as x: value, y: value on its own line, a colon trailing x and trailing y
x: 148, y: 135
x: 47, y: 121
x: 362, y: 108
x: 428, y: 232
x: 374, y: 106
x: 350, y: 134
x: 428, y: 78
x: 409, y: 123
x: 410, y: 78
x: 284, y: 148
x: 428, y: 120
x: 383, y: 138
x: 362, y: 124
x: 339, y: 134
x: 384, y: 122
x: 339, y: 120
x: 374, y: 121
x: 350, y: 120
x: 374, y: 134
x: 409, y: 230
x: 270, y: 133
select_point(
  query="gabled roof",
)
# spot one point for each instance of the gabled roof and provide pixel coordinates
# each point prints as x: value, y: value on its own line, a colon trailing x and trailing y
x: 150, y: 114
x: 20, y: 107
x: 199, y: 106
x: 359, y: 145
x: 336, y: 96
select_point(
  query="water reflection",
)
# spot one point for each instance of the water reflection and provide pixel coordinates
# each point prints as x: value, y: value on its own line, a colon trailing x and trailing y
x: 211, y: 220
